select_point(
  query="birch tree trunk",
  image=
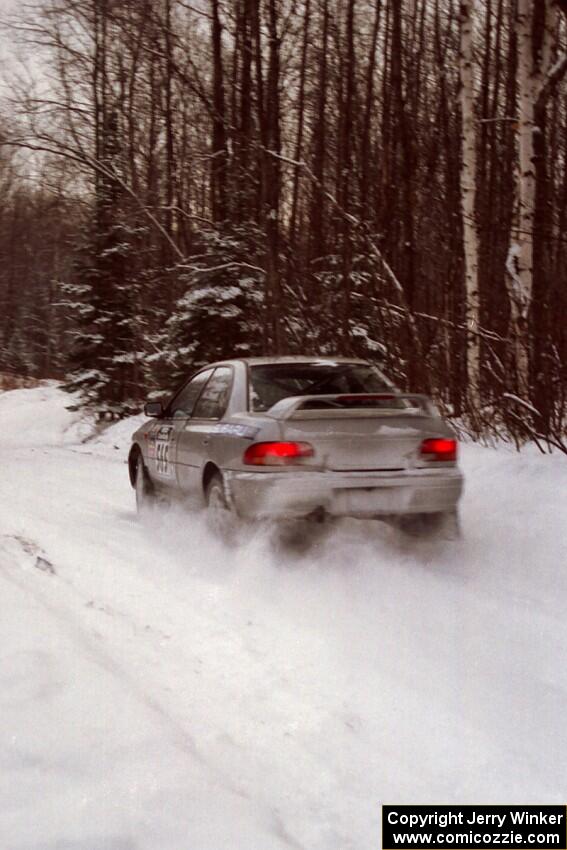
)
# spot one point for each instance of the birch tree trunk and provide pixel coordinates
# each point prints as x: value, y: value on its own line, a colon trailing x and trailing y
x: 468, y: 196
x: 520, y: 257
x: 536, y: 25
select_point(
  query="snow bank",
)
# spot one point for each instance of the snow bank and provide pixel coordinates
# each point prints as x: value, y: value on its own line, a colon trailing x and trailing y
x: 37, y: 417
x: 40, y: 417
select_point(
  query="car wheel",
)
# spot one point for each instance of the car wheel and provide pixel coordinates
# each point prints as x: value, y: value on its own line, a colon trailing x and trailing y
x: 220, y: 518
x: 443, y: 526
x: 145, y: 496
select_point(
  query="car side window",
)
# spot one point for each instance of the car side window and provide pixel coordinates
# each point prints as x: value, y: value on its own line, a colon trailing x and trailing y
x: 184, y: 402
x: 213, y: 400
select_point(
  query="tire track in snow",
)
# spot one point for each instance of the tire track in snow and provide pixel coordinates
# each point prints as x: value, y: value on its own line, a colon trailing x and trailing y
x: 41, y: 561
x: 175, y: 730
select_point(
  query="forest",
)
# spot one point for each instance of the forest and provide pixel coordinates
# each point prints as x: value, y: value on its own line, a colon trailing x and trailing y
x: 188, y: 180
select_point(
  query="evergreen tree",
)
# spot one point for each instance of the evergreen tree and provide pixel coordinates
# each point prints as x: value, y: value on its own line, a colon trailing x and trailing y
x: 103, y: 354
x: 220, y: 313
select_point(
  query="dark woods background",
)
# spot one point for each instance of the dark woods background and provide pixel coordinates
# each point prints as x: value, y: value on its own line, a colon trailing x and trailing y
x: 193, y: 180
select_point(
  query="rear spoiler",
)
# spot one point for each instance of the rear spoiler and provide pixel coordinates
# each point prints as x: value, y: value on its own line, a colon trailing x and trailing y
x: 342, y: 405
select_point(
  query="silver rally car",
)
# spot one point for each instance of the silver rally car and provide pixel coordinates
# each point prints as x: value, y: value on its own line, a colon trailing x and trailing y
x: 297, y: 437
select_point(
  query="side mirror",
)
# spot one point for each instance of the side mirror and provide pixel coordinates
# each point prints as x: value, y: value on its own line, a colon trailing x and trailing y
x: 153, y: 409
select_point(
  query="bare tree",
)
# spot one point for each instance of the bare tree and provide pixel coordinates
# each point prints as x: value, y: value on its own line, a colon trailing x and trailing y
x: 468, y: 194
x: 537, y: 28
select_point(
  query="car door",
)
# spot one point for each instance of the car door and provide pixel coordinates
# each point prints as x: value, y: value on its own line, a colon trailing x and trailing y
x: 162, y: 449
x: 195, y: 439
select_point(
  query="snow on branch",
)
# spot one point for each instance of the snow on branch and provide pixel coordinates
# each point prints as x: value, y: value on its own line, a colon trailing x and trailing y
x: 222, y: 268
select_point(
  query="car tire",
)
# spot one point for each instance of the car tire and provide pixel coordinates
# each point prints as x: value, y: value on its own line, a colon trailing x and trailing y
x: 221, y: 519
x: 442, y: 526
x: 145, y: 495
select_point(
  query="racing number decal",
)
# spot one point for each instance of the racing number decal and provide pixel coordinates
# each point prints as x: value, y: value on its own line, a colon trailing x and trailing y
x: 163, y: 441
x: 162, y: 458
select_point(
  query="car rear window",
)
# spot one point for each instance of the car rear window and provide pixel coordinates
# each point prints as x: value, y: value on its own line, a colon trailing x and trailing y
x: 270, y: 383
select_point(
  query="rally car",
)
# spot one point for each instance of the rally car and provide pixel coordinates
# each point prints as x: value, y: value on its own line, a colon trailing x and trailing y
x: 299, y: 437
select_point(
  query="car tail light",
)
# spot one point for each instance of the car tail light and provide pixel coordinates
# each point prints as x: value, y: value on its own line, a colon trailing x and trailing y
x: 439, y: 449
x: 276, y: 454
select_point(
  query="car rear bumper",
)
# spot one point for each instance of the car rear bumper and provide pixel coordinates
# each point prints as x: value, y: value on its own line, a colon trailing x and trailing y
x: 354, y: 494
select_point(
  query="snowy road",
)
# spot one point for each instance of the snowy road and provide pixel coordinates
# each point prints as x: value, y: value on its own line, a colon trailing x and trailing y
x: 158, y: 692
